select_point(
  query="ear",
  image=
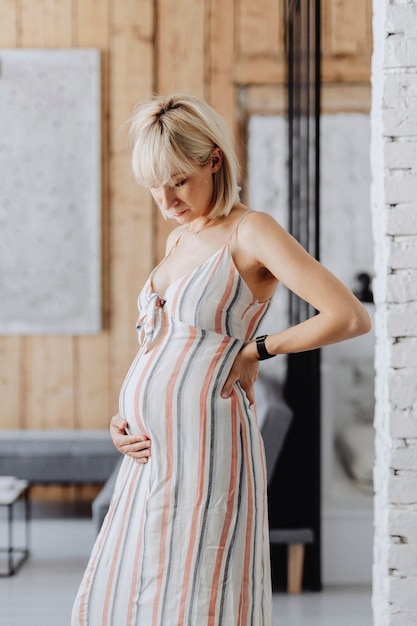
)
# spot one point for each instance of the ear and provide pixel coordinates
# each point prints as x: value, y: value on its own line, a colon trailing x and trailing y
x: 216, y: 160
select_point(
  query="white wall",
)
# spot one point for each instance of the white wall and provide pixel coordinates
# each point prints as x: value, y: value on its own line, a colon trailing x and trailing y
x: 394, y: 208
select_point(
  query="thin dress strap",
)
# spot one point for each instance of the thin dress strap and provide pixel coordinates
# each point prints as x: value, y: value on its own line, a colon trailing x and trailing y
x: 174, y: 245
x: 161, y: 262
x: 234, y: 231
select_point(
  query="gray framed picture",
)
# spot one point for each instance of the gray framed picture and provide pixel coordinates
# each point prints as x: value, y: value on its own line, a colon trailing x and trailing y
x: 50, y: 191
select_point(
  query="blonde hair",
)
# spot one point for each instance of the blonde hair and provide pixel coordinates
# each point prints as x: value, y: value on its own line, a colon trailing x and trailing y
x: 172, y: 136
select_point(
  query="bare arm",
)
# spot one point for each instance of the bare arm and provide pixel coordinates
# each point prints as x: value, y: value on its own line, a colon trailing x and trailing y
x: 340, y: 314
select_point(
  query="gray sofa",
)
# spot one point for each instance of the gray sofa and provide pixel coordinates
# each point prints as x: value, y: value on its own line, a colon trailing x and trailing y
x: 58, y: 456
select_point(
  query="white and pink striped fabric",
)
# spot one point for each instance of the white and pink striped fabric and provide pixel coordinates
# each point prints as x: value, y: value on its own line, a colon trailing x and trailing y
x: 185, y: 542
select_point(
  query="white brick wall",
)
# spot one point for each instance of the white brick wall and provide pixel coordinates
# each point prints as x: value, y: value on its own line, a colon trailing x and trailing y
x: 394, y: 209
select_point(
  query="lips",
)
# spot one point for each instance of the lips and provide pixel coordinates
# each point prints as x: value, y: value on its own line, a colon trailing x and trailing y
x: 178, y: 213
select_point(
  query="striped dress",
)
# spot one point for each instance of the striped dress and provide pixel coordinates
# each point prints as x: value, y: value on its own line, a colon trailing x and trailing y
x: 185, y: 541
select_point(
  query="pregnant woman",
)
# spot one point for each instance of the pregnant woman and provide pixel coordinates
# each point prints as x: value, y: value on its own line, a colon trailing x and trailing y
x: 185, y: 541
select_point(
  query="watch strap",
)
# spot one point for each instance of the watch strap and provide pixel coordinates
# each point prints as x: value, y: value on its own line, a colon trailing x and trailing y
x: 262, y: 351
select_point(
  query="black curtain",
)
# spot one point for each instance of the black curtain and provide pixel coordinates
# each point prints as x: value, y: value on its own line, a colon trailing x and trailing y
x: 295, y: 490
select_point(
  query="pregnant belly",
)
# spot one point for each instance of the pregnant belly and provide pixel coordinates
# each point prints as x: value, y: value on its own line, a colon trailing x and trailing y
x: 179, y: 377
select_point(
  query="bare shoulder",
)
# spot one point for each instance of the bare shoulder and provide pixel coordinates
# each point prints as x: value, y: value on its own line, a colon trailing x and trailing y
x: 257, y: 229
x: 254, y: 234
x: 268, y: 245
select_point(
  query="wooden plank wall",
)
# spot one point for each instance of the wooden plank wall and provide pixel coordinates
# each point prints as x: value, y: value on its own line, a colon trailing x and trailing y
x: 230, y: 51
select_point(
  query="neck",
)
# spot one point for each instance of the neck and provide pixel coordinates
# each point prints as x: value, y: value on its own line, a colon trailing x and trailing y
x: 198, y: 228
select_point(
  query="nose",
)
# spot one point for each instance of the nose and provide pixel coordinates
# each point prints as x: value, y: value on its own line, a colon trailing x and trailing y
x: 167, y: 197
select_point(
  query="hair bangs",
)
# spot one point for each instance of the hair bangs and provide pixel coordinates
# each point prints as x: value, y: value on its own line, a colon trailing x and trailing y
x: 156, y: 162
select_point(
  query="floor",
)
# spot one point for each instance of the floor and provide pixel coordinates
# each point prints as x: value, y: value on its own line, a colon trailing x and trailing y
x: 42, y: 591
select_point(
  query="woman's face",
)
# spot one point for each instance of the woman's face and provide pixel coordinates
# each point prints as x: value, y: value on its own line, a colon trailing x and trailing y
x: 190, y: 197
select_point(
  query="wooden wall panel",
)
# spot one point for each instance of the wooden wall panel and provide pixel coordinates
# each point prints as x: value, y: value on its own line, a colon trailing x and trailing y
x: 8, y: 24
x: 46, y: 23
x: 10, y: 379
x: 346, y: 27
x: 221, y: 57
x: 180, y: 46
x: 91, y: 30
x: 260, y: 28
x: 346, y: 31
x: 31, y: 25
x: 230, y: 51
x: 260, y: 38
x: 131, y: 223
x: 91, y: 354
x: 48, y: 393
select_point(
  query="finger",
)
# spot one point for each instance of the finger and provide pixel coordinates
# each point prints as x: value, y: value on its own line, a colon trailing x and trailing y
x: 141, y: 461
x: 228, y: 387
x: 131, y: 440
x: 137, y: 447
x: 119, y: 427
x: 250, y: 394
x: 141, y: 456
x: 140, y: 446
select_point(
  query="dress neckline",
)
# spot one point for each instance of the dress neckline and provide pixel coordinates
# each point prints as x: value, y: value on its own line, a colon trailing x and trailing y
x: 183, y: 276
x: 187, y: 275
x: 227, y: 242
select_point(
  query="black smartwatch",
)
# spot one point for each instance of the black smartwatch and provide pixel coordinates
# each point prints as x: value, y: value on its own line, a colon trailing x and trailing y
x: 262, y: 351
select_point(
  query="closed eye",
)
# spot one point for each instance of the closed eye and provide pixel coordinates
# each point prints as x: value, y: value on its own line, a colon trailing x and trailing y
x: 180, y: 183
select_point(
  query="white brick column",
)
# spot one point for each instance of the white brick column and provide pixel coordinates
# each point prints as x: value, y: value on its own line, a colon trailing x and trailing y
x: 394, y: 210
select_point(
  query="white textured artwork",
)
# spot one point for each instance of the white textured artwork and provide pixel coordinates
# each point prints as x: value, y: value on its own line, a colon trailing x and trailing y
x: 50, y: 192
